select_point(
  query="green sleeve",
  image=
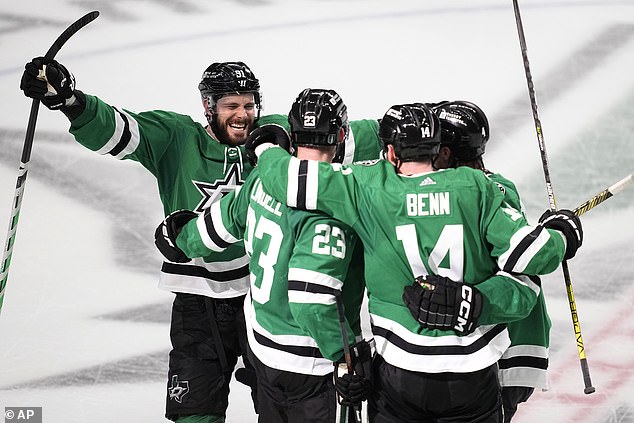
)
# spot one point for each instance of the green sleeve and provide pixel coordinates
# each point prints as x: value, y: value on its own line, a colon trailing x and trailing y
x: 142, y: 137
x: 507, y: 298
x: 190, y: 241
x: 500, y: 220
x: 219, y: 226
x: 317, y: 269
x: 365, y: 140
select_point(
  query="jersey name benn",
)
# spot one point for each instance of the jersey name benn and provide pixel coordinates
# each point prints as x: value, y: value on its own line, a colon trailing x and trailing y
x: 427, y: 204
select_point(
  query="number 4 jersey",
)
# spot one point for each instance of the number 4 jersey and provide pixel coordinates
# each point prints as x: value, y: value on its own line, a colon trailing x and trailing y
x: 452, y: 222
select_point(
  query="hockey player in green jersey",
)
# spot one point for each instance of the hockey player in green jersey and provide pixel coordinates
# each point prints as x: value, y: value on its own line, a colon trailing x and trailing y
x: 522, y: 367
x: 194, y: 166
x: 448, y: 231
x: 361, y: 143
x: 300, y: 263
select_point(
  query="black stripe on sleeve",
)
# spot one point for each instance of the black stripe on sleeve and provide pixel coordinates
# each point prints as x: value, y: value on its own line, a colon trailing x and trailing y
x: 521, y: 248
x: 125, y: 136
x: 524, y: 361
x: 211, y: 231
x: 310, y: 287
x: 301, y: 184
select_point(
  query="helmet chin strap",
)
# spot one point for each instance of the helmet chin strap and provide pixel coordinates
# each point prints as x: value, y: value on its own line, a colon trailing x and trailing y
x: 433, y: 162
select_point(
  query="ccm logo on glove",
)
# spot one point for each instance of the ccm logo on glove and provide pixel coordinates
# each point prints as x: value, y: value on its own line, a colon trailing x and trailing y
x: 464, y: 310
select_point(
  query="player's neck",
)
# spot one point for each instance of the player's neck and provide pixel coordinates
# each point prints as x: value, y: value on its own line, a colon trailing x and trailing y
x: 304, y: 153
x: 414, y: 168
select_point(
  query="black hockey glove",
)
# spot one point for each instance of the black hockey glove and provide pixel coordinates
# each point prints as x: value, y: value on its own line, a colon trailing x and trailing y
x: 353, y: 388
x: 55, y: 89
x: 569, y: 224
x: 437, y: 302
x: 512, y: 396
x: 271, y: 133
x: 166, y: 233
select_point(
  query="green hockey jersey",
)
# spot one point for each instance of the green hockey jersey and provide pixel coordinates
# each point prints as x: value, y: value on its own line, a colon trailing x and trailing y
x: 363, y: 142
x: 192, y: 171
x: 525, y: 362
x: 452, y: 222
x: 299, y: 260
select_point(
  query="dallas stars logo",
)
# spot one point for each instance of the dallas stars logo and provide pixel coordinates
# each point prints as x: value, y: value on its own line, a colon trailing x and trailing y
x: 215, y: 191
x: 178, y: 389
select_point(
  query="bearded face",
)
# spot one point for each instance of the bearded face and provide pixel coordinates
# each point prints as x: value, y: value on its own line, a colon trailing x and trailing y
x: 234, y: 117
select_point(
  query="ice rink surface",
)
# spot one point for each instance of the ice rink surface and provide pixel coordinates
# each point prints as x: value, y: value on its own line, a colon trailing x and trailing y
x: 84, y: 330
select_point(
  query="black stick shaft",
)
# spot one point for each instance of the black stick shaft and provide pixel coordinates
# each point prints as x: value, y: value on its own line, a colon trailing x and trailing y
x: 551, y: 200
x: 26, y: 154
x: 346, y: 346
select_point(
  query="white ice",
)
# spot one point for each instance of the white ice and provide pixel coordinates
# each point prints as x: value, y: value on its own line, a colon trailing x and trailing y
x: 84, y: 329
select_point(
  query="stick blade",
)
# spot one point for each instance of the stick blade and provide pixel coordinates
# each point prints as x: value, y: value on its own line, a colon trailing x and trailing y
x: 69, y: 32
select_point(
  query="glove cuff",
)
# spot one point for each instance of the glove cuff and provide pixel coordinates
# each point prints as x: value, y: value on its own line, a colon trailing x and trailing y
x: 263, y: 147
x: 74, y: 106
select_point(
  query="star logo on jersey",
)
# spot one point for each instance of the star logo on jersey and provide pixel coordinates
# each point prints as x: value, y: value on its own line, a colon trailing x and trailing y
x: 427, y: 181
x: 178, y: 389
x: 215, y: 191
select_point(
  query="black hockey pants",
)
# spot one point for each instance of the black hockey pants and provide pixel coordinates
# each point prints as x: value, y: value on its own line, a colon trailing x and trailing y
x: 287, y: 397
x: 196, y: 382
x: 412, y: 397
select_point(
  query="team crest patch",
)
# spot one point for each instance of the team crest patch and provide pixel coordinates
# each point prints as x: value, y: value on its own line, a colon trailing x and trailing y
x: 178, y: 390
x: 215, y: 191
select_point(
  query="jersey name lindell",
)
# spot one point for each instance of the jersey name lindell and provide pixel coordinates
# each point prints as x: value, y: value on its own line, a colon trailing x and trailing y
x: 262, y: 198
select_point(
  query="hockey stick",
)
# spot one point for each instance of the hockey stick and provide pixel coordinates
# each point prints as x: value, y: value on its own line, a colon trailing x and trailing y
x: 26, y: 153
x: 348, y: 357
x: 604, y: 195
x: 553, y: 206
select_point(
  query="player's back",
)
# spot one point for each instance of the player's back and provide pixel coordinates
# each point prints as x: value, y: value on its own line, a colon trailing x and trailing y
x: 415, y: 225
x: 272, y: 232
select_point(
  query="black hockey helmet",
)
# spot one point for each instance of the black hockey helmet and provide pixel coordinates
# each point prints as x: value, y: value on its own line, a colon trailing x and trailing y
x: 318, y: 117
x: 413, y: 130
x: 228, y: 78
x: 464, y: 129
